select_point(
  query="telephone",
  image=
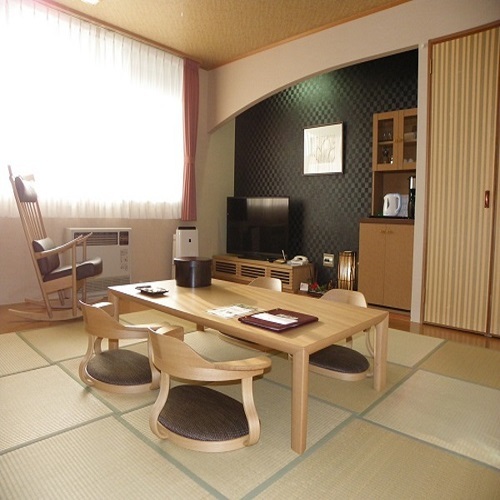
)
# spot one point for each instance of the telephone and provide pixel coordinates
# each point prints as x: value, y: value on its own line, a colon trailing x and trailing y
x: 298, y: 260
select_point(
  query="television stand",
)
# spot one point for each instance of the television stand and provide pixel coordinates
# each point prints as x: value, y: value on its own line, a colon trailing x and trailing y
x: 259, y: 258
x: 242, y: 270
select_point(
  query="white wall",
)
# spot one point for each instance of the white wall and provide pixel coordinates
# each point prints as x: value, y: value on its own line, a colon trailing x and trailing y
x: 214, y: 178
x: 235, y: 87
x: 239, y: 85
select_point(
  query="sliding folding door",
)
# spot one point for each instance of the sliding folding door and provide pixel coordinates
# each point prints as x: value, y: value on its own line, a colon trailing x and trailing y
x: 461, y: 183
x: 494, y: 326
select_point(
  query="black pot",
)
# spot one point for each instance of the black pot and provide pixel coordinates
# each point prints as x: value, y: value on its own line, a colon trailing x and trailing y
x: 193, y: 272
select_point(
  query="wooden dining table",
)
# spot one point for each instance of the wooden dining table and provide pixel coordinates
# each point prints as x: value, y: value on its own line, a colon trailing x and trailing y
x: 335, y: 323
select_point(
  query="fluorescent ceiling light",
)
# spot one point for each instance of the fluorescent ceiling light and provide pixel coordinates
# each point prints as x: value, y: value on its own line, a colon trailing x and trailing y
x: 91, y: 2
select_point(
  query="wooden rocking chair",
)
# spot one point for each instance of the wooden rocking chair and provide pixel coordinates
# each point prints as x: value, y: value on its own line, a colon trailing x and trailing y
x: 53, y: 276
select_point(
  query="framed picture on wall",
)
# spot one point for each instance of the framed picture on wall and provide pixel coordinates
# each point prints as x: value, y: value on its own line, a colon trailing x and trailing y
x: 323, y: 149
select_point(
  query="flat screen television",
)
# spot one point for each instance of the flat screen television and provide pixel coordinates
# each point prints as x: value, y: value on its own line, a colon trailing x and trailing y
x: 257, y: 228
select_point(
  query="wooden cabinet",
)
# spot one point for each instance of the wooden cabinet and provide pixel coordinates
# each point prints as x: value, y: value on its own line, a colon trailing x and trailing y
x: 394, y: 154
x: 385, y: 263
x: 232, y: 268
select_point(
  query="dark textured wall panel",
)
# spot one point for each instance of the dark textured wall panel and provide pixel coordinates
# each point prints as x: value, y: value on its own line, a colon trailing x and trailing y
x: 269, y: 149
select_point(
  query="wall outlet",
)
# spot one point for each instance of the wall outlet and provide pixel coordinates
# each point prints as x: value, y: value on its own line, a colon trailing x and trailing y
x: 328, y: 259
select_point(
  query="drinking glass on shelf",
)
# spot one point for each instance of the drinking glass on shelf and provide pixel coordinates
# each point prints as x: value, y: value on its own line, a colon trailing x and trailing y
x: 385, y: 155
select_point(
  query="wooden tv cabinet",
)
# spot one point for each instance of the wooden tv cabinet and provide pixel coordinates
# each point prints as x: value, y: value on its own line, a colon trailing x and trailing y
x: 233, y: 268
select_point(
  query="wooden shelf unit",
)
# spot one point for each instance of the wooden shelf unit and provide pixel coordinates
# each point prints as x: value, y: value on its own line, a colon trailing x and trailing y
x: 240, y: 270
x: 386, y: 245
x: 394, y: 152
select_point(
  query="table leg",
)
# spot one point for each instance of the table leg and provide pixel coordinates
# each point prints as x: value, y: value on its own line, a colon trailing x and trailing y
x: 380, y: 358
x: 116, y: 304
x: 113, y: 344
x: 300, y: 383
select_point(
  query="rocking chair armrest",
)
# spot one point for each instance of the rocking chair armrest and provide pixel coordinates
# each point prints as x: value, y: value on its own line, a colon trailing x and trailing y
x: 79, y: 240
x: 59, y: 249
x: 257, y: 363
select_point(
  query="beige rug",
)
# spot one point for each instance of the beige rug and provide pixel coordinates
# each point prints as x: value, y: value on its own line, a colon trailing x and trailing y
x: 365, y: 461
x: 464, y: 362
x: 433, y: 433
x: 101, y: 460
x: 460, y: 416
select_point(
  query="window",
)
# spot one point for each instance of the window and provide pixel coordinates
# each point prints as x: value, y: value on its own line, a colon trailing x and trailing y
x: 96, y: 116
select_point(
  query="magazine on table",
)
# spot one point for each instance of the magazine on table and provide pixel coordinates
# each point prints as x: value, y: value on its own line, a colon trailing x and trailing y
x: 233, y: 311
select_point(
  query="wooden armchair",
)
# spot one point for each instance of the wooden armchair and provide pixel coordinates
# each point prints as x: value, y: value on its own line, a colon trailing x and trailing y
x: 267, y: 283
x: 116, y: 370
x: 197, y: 417
x: 337, y: 361
x: 353, y: 298
x: 52, y: 275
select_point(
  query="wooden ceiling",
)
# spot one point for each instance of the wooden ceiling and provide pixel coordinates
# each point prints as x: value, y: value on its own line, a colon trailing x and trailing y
x: 216, y: 32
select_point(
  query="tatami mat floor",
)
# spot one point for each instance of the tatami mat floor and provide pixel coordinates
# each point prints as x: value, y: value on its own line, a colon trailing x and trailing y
x: 434, y: 432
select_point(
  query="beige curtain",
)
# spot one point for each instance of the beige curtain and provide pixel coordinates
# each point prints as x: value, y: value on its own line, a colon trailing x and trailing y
x: 191, y: 106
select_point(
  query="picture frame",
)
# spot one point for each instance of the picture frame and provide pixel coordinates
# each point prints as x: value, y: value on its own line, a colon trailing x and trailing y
x: 323, y: 149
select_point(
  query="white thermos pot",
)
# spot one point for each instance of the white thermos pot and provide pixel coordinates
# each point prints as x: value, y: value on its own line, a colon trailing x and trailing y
x: 392, y: 204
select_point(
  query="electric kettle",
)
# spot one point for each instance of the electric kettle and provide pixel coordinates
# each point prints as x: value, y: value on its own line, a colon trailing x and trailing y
x: 392, y: 204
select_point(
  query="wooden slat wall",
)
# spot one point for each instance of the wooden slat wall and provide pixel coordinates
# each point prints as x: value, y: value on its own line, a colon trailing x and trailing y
x: 464, y: 90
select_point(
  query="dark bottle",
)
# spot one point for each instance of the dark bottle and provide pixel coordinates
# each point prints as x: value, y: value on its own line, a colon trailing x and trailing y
x: 411, y: 198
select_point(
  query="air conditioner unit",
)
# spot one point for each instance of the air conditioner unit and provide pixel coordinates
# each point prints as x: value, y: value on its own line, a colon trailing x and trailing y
x: 113, y: 245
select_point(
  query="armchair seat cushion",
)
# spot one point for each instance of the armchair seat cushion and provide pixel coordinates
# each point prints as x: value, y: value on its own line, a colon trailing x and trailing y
x: 200, y: 413
x: 340, y: 359
x: 87, y: 269
x: 120, y: 367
